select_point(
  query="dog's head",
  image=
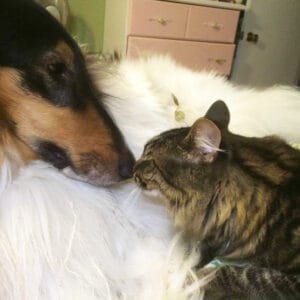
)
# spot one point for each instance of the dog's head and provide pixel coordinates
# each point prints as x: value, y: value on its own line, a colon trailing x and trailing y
x: 48, y: 101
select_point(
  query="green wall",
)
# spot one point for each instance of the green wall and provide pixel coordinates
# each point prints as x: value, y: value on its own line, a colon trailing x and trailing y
x: 86, y: 22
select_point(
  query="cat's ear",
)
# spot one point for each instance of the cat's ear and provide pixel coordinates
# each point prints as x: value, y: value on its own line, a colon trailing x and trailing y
x: 205, y: 137
x: 219, y: 114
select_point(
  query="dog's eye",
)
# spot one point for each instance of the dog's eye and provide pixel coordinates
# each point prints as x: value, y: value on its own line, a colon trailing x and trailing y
x: 57, y: 69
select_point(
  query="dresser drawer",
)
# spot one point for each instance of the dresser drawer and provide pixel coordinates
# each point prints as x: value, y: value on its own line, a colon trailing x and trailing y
x: 212, y: 24
x: 195, y: 55
x: 157, y: 19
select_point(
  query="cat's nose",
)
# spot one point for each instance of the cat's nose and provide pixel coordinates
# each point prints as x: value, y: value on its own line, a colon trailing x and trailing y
x: 139, y: 166
x: 137, y: 175
x: 139, y: 181
x: 126, y: 165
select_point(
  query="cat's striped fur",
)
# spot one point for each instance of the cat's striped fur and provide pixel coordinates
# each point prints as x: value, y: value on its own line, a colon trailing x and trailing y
x: 238, y: 197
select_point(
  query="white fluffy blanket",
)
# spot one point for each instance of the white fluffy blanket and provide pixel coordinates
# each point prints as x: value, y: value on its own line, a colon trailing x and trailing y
x: 64, y: 239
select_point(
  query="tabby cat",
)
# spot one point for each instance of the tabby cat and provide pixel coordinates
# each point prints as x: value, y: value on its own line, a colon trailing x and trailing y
x: 237, y: 197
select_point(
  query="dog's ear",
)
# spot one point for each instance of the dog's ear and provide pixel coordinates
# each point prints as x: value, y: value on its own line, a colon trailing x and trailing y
x: 219, y: 114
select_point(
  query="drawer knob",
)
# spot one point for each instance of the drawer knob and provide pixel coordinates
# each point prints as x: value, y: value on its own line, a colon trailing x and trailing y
x: 162, y: 21
x: 214, y: 25
x: 219, y: 61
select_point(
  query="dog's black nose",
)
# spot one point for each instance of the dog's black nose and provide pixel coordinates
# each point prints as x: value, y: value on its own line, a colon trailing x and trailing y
x: 126, y: 165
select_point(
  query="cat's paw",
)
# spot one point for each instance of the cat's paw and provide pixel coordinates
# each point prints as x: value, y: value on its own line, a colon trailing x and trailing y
x: 145, y: 174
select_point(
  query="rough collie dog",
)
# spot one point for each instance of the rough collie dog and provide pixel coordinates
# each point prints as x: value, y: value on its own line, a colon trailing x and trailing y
x: 62, y: 238
x: 49, y: 107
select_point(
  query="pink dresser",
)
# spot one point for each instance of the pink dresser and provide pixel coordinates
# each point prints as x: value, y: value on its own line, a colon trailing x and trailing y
x: 200, y: 37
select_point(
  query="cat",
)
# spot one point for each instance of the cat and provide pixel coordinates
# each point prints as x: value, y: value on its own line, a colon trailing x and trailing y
x: 237, y: 197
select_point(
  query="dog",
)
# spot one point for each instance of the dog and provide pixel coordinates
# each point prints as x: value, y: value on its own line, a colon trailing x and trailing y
x: 62, y: 238
x: 49, y: 107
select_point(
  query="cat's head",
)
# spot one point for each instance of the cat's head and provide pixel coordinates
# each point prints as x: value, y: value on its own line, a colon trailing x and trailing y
x: 181, y: 155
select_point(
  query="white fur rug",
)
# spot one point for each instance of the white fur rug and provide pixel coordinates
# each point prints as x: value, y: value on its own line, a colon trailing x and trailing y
x: 64, y: 239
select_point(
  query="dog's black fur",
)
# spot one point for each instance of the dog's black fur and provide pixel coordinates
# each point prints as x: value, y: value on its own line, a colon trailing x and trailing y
x: 50, y: 67
x: 27, y: 32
